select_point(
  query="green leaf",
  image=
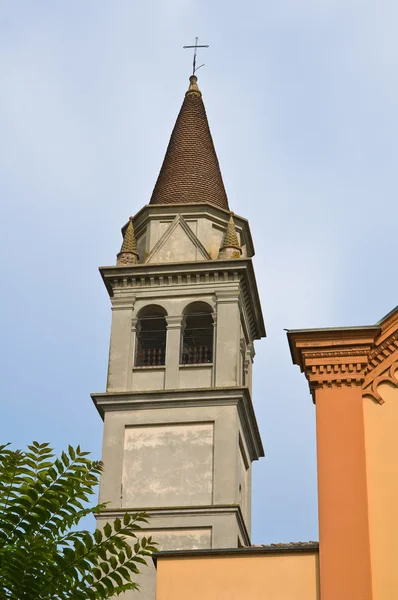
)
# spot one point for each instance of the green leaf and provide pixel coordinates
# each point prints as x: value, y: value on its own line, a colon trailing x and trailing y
x: 43, y: 554
x: 117, y: 525
x: 116, y: 577
x: 98, y: 536
x: 72, y: 453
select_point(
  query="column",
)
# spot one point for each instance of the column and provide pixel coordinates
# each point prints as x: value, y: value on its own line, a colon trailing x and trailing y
x: 173, y: 351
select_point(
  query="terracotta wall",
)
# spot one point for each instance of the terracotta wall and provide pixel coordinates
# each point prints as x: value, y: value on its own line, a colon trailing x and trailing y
x: 236, y: 577
x: 381, y: 439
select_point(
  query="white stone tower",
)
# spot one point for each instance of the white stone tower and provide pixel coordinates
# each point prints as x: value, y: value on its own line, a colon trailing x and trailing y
x: 180, y: 432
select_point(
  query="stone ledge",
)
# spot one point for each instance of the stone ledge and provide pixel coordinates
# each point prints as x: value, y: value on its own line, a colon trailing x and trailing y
x: 153, y: 399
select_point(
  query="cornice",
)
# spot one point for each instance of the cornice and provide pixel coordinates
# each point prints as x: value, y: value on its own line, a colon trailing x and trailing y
x: 332, y: 357
x: 361, y: 356
x: 148, y: 400
x: 168, y: 276
x: 245, y: 551
x: 180, y: 511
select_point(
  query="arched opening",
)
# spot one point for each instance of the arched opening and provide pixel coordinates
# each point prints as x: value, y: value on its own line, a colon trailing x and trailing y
x: 151, y: 337
x: 197, y: 335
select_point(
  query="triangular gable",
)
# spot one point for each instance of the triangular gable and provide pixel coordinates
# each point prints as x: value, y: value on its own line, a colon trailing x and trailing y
x: 178, y: 244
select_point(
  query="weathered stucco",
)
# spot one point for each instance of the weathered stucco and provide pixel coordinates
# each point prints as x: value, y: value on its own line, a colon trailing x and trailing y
x: 168, y: 465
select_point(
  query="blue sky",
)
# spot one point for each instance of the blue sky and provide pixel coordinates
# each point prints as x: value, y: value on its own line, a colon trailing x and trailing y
x: 302, y: 101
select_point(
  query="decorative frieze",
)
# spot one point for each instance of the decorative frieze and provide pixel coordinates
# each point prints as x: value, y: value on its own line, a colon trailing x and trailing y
x: 363, y: 356
x: 388, y: 376
x: 212, y: 277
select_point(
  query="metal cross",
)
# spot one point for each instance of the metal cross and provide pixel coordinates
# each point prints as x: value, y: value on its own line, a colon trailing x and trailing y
x: 196, y: 46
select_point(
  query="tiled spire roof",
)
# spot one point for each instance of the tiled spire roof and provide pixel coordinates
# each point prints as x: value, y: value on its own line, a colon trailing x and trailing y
x: 190, y: 170
x: 128, y: 252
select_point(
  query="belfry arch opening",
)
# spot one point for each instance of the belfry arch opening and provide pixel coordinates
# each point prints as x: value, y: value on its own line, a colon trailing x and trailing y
x: 151, y: 337
x: 197, y: 334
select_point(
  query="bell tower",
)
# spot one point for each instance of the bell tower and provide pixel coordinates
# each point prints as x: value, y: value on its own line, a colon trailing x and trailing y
x: 180, y: 433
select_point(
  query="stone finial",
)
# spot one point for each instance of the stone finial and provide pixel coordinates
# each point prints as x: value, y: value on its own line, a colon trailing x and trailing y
x: 128, y: 254
x: 193, y: 86
x: 230, y: 247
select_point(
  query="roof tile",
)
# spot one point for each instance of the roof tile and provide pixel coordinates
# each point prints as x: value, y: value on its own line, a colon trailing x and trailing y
x: 190, y: 172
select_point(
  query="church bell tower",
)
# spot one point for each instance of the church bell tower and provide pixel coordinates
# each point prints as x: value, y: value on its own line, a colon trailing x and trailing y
x: 180, y: 433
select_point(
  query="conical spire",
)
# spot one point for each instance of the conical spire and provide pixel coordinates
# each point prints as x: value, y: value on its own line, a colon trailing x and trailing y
x: 190, y: 170
x: 128, y: 253
x: 230, y: 247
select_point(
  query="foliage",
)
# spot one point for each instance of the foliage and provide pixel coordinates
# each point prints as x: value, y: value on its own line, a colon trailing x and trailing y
x: 42, y: 554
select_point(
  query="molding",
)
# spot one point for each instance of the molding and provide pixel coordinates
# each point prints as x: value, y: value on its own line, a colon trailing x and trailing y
x: 309, y: 548
x: 384, y: 351
x: 389, y: 376
x: 179, y: 220
x: 227, y: 296
x: 332, y: 357
x: 212, y: 510
x: 169, y: 399
x: 124, y: 300
x: 174, y: 321
x: 360, y: 356
x: 211, y: 276
x: 218, y: 216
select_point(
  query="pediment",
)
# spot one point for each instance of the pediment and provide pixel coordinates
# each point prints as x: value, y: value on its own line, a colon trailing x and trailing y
x: 178, y: 244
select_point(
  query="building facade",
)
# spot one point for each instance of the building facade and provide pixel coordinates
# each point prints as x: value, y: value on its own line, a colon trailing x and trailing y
x: 180, y: 433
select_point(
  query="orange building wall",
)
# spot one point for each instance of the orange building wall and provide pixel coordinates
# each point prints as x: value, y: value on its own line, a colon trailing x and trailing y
x: 252, y: 577
x: 381, y: 439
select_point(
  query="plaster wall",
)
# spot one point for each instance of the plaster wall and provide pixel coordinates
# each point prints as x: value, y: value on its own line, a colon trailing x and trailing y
x: 244, y: 477
x: 121, y: 343
x: 195, y: 377
x: 342, y: 494
x: 168, y: 539
x: 148, y: 378
x: 168, y: 465
x: 209, y: 234
x: 268, y: 576
x: 227, y: 343
x: 186, y: 453
x: 381, y: 441
x: 177, y: 248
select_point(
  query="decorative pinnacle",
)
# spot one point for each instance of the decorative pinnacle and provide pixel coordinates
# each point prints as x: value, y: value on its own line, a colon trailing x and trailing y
x: 128, y: 252
x: 231, y: 237
x: 193, y: 87
x: 230, y: 247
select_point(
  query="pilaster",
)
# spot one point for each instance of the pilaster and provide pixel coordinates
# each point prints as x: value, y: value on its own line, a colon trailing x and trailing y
x: 173, y: 344
x: 121, y: 344
x: 227, y: 339
x: 335, y: 363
